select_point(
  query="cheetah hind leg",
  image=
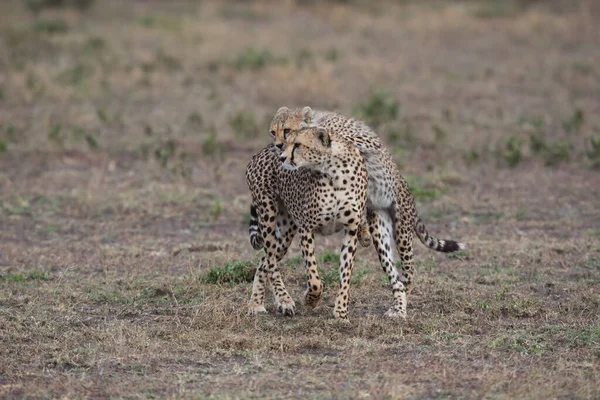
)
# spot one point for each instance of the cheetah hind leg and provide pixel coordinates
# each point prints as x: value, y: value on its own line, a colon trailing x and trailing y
x: 364, y: 235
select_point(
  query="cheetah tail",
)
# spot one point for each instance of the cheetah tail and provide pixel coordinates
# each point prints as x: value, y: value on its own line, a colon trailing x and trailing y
x: 256, y: 239
x: 445, y: 246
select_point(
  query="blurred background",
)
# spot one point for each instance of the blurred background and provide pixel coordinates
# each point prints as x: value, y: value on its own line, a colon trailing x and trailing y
x: 126, y: 127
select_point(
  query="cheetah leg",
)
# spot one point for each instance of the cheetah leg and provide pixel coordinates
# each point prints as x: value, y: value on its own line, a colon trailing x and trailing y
x: 257, y: 305
x: 346, y: 265
x: 382, y: 230
x: 404, y: 241
x: 268, y: 270
x: 314, y: 290
x: 286, y: 230
x: 364, y: 236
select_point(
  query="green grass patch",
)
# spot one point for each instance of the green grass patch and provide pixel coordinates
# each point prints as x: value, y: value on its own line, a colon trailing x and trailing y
x: 574, y: 123
x: 165, y: 22
x: 31, y: 275
x: 380, y: 107
x: 460, y: 255
x: 295, y: 260
x: 593, y: 152
x: 328, y: 256
x: 50, y: 26
x: 510, y: 152
x: 494, y: 9
x: 231, y: 272
x: 253, y: 59
x: 244, y: 125
x: 420, y: 190
x: 331, y: 276
x: 557, y: 152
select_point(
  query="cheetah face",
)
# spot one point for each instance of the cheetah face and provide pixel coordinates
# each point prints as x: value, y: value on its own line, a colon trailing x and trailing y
x: 307, y: 147
x: 286, y: 121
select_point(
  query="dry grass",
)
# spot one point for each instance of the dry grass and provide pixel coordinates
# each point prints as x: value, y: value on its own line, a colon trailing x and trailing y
x: 122, y: 185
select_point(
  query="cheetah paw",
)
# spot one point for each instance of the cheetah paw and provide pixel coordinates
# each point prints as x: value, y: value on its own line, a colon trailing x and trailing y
x: 257, y: 310
x: 365, y: 240
x: 393, y: 313
x: 312, y: 301
x: 341, y: 316
x: 286, y: 307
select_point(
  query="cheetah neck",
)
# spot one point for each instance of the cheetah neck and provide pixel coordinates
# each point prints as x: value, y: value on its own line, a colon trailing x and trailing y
x: 337, y: 161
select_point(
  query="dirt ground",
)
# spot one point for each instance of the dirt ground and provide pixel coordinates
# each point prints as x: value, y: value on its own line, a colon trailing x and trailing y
x: 125, y: 130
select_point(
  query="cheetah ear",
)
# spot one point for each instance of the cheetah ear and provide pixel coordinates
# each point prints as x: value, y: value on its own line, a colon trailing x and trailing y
x: 282, y: 110
x: 307, y: 114
x: 323, y: 136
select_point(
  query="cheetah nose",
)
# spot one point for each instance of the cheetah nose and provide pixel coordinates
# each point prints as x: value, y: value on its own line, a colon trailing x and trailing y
x: 279, y: 145
x: 282, y: 159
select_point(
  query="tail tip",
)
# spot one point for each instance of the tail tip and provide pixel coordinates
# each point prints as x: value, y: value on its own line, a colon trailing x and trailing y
x: 256, y: 242
x: 462, y: 246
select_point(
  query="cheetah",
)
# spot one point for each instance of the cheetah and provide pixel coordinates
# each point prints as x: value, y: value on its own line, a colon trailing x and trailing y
x: 391, y: 209
x: 322, y: 180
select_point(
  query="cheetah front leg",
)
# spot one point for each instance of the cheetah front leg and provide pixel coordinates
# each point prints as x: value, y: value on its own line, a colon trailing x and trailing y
x: 382, y: 229
x: 347, y: 255
x: 268, y: 269
x: 404, y: 241
x: 286, y: 230
x: 314, y: 290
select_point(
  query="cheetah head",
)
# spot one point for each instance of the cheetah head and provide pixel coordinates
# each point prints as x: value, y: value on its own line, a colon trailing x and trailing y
x: 287, y: 120
x: 307, y: 147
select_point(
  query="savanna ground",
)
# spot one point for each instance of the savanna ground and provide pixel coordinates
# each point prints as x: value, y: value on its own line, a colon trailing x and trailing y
x: 125, y: 129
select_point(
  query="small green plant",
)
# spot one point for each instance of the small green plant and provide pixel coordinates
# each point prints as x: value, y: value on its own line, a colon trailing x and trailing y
x: 593, y: 151
x: 3, y: 146
x: 94, y: 45
x: 80, y: 133
x: 243, y: 124
x: 332, y: 55
x: 195, y: 118
x: 511, y: 151
x: 55, y: 134
x: 215, y: 209
x: 379, y: 108
x: 575, y: 122
x: 537, y: 143
x: 231, y: 272
x: 253, y: 59
x: 419, y: 189
x: 295, y: 260
x: 75, y: 76
x: 50, y: 26
x: 165, y: 151
x: 440, y: 133
x: 401, y: 134
x: 471, y: 157
x: 557, y: 152
x: 211, y: 146
x: 328, y: 256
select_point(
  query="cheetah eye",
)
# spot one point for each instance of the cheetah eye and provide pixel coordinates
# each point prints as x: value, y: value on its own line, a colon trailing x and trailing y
x: 285, y: 132
x: 272, y: 133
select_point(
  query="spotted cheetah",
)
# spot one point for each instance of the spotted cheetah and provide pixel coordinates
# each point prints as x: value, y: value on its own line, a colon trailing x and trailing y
x: 391, y: 210
x: 322, y: 181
